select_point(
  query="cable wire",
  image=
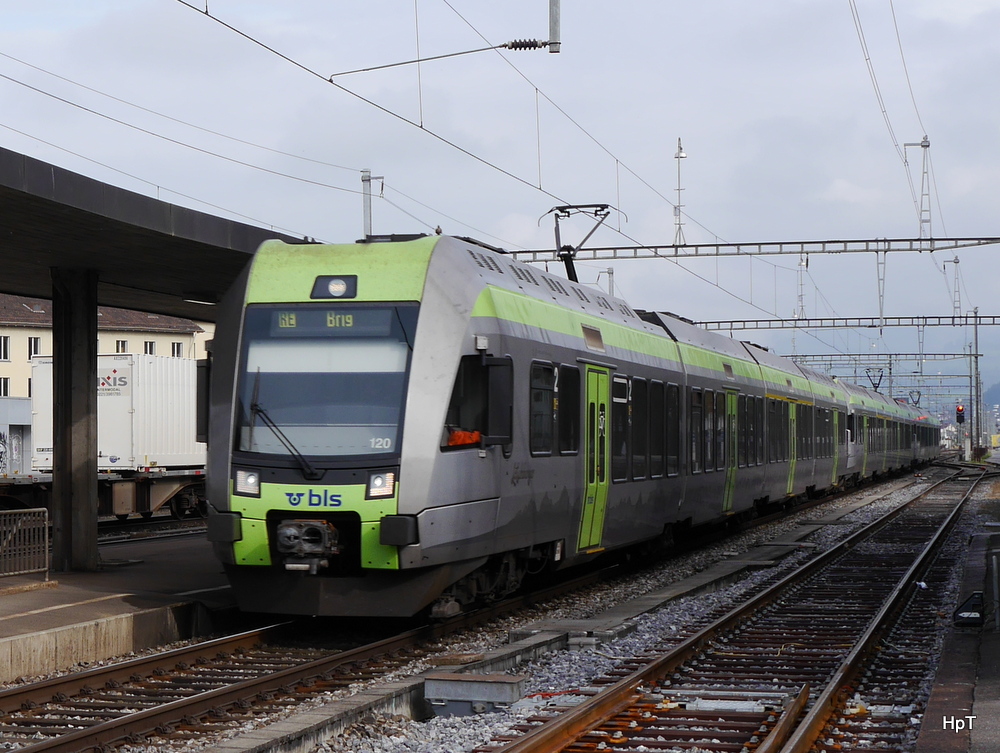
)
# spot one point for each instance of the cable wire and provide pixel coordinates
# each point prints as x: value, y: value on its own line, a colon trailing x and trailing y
x: 106, y: 166
x: 176, y: 141
x: 177, y: 120
x: 371, y: 103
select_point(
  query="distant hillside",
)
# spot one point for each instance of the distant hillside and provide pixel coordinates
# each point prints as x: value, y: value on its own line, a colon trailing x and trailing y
x: 991, y: 396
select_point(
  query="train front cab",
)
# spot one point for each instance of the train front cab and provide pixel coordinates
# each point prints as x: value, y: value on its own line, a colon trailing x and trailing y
x: 321, y: 370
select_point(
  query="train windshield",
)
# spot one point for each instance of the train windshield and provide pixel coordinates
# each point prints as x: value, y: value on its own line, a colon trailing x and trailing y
x: 324, y: 380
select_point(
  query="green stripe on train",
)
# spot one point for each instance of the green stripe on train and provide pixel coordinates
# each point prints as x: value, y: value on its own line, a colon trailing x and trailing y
x: 284, y: 273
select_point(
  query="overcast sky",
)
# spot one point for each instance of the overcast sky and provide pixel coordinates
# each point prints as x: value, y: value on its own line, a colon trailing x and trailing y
x: 784, y: 134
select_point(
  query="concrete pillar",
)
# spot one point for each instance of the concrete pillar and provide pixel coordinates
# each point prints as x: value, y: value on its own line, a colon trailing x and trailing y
x: 74, y: 394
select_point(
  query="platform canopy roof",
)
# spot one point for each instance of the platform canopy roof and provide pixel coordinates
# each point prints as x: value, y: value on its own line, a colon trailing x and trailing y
x: 150, y: 255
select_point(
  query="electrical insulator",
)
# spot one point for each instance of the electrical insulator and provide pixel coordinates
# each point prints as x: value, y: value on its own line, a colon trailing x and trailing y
x: 524, y: 44
x: 960, y: 414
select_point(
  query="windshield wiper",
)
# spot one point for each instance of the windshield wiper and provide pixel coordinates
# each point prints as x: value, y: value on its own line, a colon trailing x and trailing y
x: 256, y: 409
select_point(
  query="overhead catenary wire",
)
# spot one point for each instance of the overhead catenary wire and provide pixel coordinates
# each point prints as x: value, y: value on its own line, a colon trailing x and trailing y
x: 219, y: 134
x: 370, y: 102
x: 157, y: 186
x: 451, y: 143
x: 177, y: 142
x: 173, y: 119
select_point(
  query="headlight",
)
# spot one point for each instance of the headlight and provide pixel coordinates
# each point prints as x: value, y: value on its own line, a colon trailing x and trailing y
x: 381, y: 484
x: 247, y: 483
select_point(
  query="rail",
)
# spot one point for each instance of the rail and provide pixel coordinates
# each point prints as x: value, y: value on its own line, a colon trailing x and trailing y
x: 24, y: 542
x: 636, y: 693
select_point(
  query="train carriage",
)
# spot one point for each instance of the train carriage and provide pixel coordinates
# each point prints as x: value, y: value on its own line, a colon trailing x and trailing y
x: 413, y: 422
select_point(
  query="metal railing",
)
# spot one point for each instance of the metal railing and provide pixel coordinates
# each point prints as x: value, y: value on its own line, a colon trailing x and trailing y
x: 24, y: 541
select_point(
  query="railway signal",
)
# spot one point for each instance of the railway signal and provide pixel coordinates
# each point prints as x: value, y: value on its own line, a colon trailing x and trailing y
x: 960, y: 414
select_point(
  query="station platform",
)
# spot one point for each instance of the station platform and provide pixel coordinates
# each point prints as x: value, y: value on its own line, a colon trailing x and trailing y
x: 148, y: 592
x: 963, y: 710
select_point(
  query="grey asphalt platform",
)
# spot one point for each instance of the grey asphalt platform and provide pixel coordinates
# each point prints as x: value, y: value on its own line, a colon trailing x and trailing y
x: 148, y: 592
x: 963, y: 711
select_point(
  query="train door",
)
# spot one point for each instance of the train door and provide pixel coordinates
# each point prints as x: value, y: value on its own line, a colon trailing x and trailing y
x: 732, y: 455
x: 596, y: 451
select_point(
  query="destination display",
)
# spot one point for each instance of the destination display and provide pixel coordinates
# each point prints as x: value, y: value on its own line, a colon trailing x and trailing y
x: 332, y: 322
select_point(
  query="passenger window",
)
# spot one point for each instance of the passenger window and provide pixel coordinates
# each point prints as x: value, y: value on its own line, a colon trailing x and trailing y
x: 709, y: 439
x: 568, y: 412
x: 640, y: 413
x: 619, y: 429
x: 542, y: 406
x: 720, y: 430
x: 656, y: 430
x: 697, y: 430
x: 743, y: 432
x: 673, y: 430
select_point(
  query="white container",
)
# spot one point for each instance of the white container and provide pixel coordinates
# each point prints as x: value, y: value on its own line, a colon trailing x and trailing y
x: 145, y: 413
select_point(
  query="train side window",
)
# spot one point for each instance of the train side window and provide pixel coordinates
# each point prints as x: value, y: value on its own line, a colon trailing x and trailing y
x: 709, y: 439
x: 591, y: 451
x: 673, y: 430
x: 619, y: 428
x: 720, y: 430
x: 760, y: 430
x: 785, y: 428
x: 742, y: 431
x: 569, y: 409
x: 465, y: 422
x: 657, y: 434
x: 697, y: 431
x: 541, y: 426
x: 772, y: 431
x: 640, y: 415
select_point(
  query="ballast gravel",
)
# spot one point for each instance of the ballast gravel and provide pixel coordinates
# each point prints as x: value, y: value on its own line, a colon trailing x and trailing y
x: 554, y: 677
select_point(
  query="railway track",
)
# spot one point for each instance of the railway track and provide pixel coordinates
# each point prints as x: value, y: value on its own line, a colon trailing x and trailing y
x: 212, y: 686
x: 792, y: 666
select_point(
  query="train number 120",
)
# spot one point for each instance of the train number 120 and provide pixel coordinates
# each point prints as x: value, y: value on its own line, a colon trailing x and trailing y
x: 381, y: 443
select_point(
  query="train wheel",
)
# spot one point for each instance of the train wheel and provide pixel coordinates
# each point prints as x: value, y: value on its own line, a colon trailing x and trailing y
x: 122, y: 518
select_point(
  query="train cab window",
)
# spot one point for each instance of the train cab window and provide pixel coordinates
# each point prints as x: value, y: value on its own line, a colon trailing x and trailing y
x: 657, y: 434
x: 673, y: 430
x: 619, y: 428
x: 541, y: 422
x: 568, y: 412
x: 465, y: 422
x: 709, y: 448
x: 640, y: 415
x: 697, y: 432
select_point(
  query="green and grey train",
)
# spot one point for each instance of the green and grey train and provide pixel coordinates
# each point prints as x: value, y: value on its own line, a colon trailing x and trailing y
x: 420, y: 422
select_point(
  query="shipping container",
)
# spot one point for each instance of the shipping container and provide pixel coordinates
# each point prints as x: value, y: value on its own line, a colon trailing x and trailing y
x: 146, y: 412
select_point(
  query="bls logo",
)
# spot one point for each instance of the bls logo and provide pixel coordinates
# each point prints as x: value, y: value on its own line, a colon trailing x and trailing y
x: 322, y: 498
